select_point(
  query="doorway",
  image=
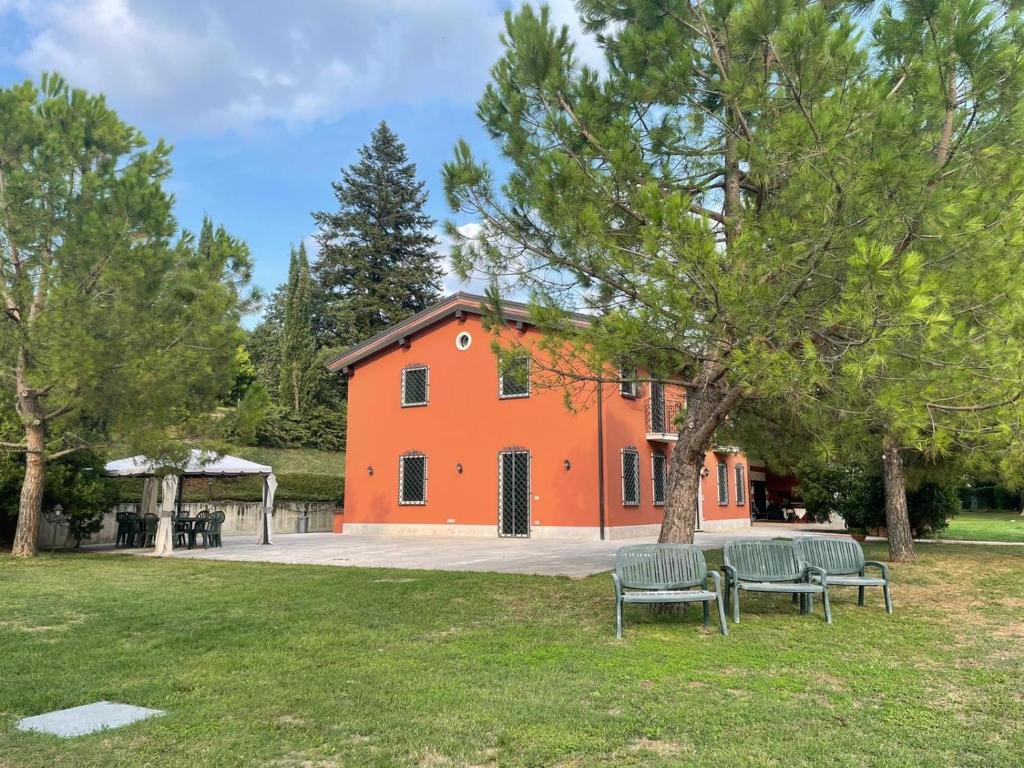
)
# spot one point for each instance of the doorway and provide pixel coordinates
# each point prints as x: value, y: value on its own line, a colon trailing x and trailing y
x: 514, y: 493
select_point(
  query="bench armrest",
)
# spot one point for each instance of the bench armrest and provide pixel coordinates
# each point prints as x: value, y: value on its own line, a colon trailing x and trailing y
x: 880, y: 566
x: 618, y: 584
x: 730, y: 575
x: 821, y: 572
x: 715, y: 577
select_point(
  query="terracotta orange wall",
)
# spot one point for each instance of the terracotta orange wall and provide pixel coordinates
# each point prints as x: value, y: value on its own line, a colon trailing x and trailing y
x: 625, y: 425
x: 464, y: 422
x: 709, y: 485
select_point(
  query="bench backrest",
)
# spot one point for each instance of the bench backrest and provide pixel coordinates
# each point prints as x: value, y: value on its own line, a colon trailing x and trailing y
x: 661, y: 566
x: 764, y: 559
x: 836, y: 555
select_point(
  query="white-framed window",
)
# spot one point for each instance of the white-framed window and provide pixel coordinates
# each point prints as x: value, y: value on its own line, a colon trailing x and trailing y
x: 627, y: 382
x: 741, y: 486
x: 412, y: 478
x: 463, y: 341
x: 658, y: 478
x: 630, y: 477
x: 514, y: 378
x: 415, y: 385
x: 723, y: 483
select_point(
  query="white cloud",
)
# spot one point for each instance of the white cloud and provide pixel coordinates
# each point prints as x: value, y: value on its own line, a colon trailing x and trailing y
x: 209, y: 67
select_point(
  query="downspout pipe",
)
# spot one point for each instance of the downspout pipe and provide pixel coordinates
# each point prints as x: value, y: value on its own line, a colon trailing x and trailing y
x: 600, y: 458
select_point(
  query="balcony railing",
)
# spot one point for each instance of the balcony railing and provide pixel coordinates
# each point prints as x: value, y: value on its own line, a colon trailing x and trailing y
x: 663, y: 418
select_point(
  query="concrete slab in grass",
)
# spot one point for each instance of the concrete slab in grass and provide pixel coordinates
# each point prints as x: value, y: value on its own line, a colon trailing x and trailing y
x: 88, y: 718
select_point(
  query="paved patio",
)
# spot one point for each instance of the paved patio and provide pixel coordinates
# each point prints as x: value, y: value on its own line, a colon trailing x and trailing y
x: 544, y: 557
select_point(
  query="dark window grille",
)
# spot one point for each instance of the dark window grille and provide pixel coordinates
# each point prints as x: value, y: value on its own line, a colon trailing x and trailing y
x: 657, y: 407
x: 412, y: 479
x: 514, y: 378
x: 723, y: 483
x: 627, y: 382
x: 658, y: 473
x: 514, y: 493
x: 630, y: 477
x: 741, y: 486
x: 414, y: 386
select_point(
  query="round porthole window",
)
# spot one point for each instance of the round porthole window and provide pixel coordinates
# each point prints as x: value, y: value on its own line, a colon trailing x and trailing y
x: 463, y: 340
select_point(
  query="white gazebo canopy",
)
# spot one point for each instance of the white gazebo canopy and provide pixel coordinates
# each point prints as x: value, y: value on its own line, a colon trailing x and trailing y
x: 199, y: 464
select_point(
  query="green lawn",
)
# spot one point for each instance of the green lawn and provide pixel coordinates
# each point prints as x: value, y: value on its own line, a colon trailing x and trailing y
x: 284, y: 460
x: 986, y: 526
x: 289, y: 666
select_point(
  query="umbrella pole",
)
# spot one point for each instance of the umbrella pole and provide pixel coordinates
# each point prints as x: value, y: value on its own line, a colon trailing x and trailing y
x: 177, y: 500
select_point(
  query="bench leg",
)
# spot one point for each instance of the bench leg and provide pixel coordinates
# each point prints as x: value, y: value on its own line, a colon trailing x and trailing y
x: 828, y: 608
x: 888, y: 597
x: 735, y: 604
x: 860, y: 595
x: 707, y: 614
x: 618, y: 618
x: 721, y: 617
x: 806, y: 603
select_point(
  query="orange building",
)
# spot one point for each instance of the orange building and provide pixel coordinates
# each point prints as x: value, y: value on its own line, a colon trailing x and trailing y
x: 442, y: 441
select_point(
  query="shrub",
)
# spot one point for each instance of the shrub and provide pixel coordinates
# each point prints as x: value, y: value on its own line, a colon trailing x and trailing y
x: 857, y: 494
x: 291, y: 486
x: 316, y: 427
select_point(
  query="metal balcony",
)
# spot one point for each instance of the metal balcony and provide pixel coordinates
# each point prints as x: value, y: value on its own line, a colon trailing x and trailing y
x: 662, y: 420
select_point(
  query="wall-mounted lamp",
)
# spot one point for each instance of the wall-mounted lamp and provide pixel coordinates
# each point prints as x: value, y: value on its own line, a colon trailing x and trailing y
x: 567, y: 464
x: 458, y: 467
x: 369, y: 470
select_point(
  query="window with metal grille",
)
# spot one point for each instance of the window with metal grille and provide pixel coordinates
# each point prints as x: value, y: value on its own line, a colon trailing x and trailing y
x: 412, y: 479
x: 627, y: 382
x: 658, y: 476
x: 723, y: 483
x: 414, y: 385
x: 630, y: 477
x: 514, y: 378
x: 741, y: 486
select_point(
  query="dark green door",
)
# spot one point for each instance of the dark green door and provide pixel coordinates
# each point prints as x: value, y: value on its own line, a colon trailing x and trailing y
x: 514, y: 493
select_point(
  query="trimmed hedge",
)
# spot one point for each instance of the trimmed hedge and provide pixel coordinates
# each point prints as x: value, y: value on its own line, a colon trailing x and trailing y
x: 292, y: 486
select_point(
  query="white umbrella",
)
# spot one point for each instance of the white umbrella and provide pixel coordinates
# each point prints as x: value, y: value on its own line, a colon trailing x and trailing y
x: 164, y: 544
x: 269, y: 487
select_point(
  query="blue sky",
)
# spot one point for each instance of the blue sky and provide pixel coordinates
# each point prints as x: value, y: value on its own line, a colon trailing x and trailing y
x: 266, y: 101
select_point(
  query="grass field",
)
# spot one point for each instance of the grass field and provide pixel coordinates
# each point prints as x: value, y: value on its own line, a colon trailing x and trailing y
x: 320, y: 667
x: 285, y: 460
x: 986, y: 526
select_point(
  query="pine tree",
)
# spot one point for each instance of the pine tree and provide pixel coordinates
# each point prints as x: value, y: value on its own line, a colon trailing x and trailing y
x: 113, y: 328
x: 750, y: 190
x: 298, y: 345
x: 378, y: 260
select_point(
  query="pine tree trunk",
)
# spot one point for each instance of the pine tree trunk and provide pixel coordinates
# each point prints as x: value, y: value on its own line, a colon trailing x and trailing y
x: 30, y: 504
x: 681, y: 499
x: 706, y: 408
x: 897, y: 518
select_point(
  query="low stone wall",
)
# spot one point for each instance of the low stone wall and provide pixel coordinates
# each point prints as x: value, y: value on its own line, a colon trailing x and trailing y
x: 240, y: 517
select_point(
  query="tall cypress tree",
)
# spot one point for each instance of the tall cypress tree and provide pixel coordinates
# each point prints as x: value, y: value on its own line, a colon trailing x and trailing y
x: 378, y: 260
x: 298, y: 345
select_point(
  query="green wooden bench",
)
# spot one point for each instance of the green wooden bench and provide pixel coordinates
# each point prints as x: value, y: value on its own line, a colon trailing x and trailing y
x: 665, y: 573
x: 843, y: 560
x: 772, y: 565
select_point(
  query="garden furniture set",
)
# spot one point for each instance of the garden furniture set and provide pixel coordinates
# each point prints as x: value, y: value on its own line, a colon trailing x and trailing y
x: 807, y: 566
x: 134, y: 530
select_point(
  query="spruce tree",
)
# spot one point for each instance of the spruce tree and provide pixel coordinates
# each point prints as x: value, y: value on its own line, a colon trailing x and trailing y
x: 378, y: 260
x: 298, y: 345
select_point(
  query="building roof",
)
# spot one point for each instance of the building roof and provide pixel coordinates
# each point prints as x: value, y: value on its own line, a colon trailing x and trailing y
x: 469, y: 303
